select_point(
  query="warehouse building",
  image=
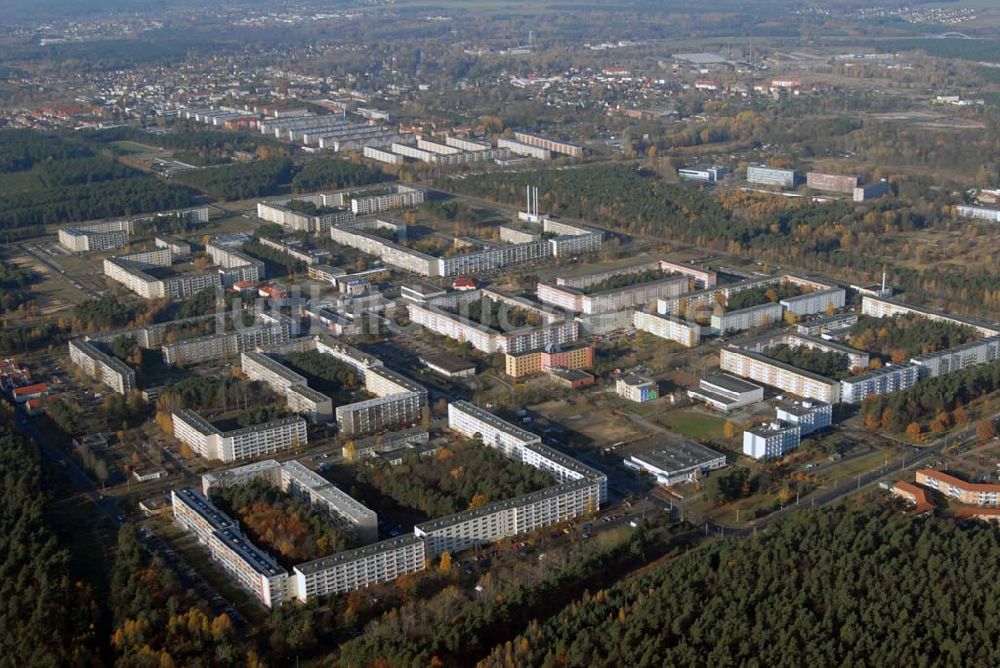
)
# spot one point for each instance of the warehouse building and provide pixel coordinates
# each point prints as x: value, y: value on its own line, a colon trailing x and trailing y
x: 674, y: 463
x: 725, y: 393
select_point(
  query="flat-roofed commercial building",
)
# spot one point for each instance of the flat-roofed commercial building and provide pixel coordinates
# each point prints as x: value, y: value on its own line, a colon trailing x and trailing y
x: 102, y: 367
x: 449, y: 366
x: 206, y: 440
x: 885, y: 380
x: 881, y: 307
x: 762, y: 315
x: 677, y: 462
x: 771, y: 440
x: 772, y: 176
x: 254, y: 570
x: 836, y: 183
x: 669, y: 327
x: 975, y: 494
x: 725, y: 393
x: 758, y: 367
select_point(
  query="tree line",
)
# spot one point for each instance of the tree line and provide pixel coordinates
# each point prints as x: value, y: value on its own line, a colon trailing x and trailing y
x: 829, y: 605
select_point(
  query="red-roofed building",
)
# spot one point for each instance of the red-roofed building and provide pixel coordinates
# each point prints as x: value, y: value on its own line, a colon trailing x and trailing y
x: 35, y: 406
x: 914, y: 495
x: 984, y: 514
x: 22, y: 394
x: 975, y: 494
x: 462, y: 283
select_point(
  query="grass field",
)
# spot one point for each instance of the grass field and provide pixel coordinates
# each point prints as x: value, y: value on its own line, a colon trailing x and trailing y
x: 692, y: 424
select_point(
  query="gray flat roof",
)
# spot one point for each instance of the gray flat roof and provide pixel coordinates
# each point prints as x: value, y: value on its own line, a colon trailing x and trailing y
x: 731, y: 383
x: 678, y: 456
x: 324, y: 563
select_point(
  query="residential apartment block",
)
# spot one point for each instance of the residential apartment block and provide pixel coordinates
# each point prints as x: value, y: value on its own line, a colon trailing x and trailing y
x: 90, y: 237
x: 301, y: 398
x: 206, y: 440
x: 975, y: 494
x: 132, y: 271
x: 960, y: 357
x: 615, y: 299
x: 637, y: 388
x: 772, y: 176
x: 237, y: 266
x: 817, y: 301
x: 531, y: 362
x: 269, y: 329
x: 101, y: 366
x: 763, y: 315
x: 810, y: 416
x: 884, y: 380
x: 758, y: 367
x: 771, y: 440
x: 881, y: 307
x: 553, y: 145
x: 668, y: 327
x: 254, y: 570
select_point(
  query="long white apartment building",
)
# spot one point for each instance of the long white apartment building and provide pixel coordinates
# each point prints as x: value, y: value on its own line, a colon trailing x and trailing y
x: 395, y: 197
x: 177, y: 247
x: 810, y: 416
x: 206, y: 440
x: 668, y: 327
x: 772, y: 176
x: 612, y: 299
x: 295, y: 251
x: 881, y: 307
x: 102, y: 367
x: 254, y: 569
x: 297, y: 480
x: 269, y: 329
x: 817, y: 301
x: 90, y: 237
x: 960, y: 357
x: 771, y: 440
x: 301, y: 398
x: 578, y: 489
x: 554, y: 145
x: 237, y: 266
x: 397, y: 400
x: 360, y: 568
x: 758, y: 367
x: 553, y: 327
x: 132, y: 271
x: 383, y: 155
x: 884, y: 380
x: 752, y: 317
x: 978, y: 212
x: 855, y: 358
x: 521, y: 148
x: 710, y: 296
x: 277, y: 211
x: 467, y: 144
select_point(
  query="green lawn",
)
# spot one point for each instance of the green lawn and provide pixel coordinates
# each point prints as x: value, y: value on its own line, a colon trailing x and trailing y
x: 692, y: 424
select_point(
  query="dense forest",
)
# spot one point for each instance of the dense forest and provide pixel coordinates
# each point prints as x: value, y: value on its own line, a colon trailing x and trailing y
x: 326, y: 374
x: 497, y: 315
x: 48, y: 618
x: 934, y: 403
x: 158, y: 622
x: 844, y: 586
x: 48, y: 179
x: 457, y: 477
x: 240, y: 181
x: 193, y: 145
x: 825, y: 363
x: 288, y: 527
x: 333, y: 174
x: 901, y: 337
x: 105, y: 312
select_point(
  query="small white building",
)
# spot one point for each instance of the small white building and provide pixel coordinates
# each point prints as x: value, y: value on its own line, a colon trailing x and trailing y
x: 810, y: 415
x: 637, y: 388
x: 771, y: 440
